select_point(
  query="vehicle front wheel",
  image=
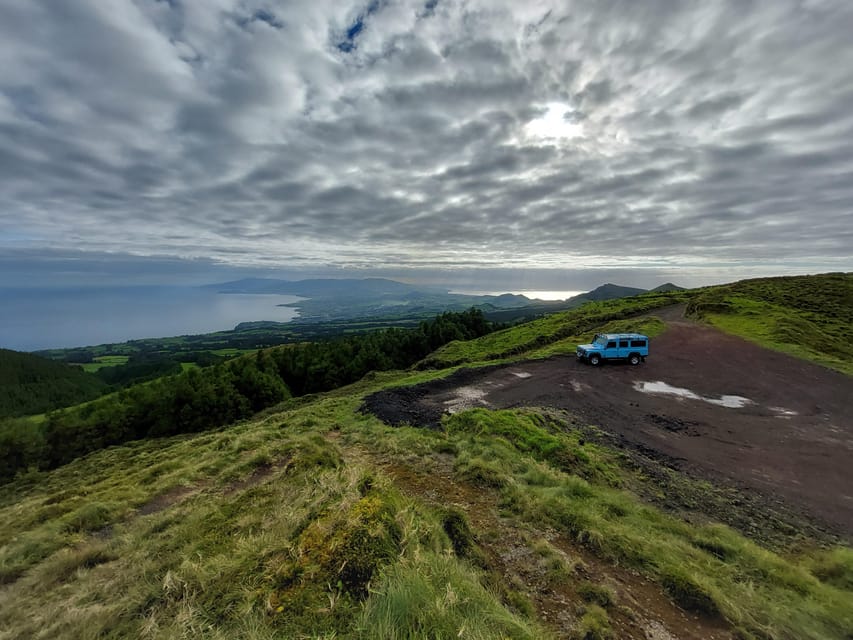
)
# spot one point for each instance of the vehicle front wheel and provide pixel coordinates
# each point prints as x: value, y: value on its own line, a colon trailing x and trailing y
x: 595, y: 360
x: 634, y: 359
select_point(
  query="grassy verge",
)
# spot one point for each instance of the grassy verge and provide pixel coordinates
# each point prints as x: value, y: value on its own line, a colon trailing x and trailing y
x: 647, y: 325
x: 557, y: 331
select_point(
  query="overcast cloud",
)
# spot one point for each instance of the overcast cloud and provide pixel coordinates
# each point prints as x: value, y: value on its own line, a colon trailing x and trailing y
x: 467, y: 134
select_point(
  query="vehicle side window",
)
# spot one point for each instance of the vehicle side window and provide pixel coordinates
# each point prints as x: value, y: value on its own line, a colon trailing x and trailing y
x: 623, y: 343
x: 638, y: 343
x: 611, y: 344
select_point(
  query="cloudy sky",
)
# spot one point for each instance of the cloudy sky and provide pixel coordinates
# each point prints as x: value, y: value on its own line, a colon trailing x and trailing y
x: 704, y: 141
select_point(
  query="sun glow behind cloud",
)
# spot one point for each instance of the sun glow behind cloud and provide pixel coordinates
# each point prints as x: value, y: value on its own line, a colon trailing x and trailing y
x: 430, y: 135
x: 556, y: 123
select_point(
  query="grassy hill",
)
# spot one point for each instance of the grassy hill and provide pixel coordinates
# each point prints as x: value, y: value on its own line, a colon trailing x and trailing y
x: 30, y: 384
x: 558, y: 332
x: 314, y: 520
x: 804, y: 316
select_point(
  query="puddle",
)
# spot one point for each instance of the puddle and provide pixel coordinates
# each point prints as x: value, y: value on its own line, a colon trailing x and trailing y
x: 578, y: 386
x: 521, y: 374
x: 730, y: 402
x: 466, y: 398
x: 783, y: 412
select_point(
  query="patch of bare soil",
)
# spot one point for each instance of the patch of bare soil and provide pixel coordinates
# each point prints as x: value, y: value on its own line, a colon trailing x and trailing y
x: 640, y: 609
x: 705, y: 403
x: 259, y: 475
x: 165, y: 500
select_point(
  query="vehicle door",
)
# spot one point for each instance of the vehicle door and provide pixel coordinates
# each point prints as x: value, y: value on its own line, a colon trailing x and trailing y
x: 640, y: 346
x: 624, y: 347
x: 611, y: 349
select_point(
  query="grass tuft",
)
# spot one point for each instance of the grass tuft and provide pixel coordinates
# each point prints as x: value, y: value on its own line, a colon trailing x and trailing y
x: 89, y: 517
x: 455, y: 525
x: 436, y: 597
x: 688, y: 592
x: 834, y: 567
x: 593, y: 593
x: 594, y: 625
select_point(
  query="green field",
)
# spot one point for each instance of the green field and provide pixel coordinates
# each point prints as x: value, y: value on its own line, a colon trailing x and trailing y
x: 104, y: 361
x: 314, y: 520
x: 230, y: 352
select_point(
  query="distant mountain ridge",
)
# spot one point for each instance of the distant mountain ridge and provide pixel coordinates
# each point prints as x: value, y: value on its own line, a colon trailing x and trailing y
x: 320, y: 287
x: 356, y: 287
x: 340, y: 299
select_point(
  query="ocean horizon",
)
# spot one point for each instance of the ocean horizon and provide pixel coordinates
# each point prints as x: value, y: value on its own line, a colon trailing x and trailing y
x: 37, y: 319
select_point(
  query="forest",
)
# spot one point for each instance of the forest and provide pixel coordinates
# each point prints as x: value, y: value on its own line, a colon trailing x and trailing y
x: 200, y: 399
x: 30, y: 384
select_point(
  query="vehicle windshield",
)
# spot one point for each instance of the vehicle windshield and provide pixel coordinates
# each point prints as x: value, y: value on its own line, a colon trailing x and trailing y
x: 602, y: 340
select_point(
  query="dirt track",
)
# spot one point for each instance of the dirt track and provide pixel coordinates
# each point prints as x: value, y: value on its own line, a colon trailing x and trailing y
x: 787, y: 431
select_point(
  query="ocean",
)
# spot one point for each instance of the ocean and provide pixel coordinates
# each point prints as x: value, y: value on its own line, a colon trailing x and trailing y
x: 33, y: 319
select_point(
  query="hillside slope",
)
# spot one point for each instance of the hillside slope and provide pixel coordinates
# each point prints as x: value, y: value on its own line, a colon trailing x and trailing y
x: 317, y: 520
x: 30, y: 384
x: 805, y: 316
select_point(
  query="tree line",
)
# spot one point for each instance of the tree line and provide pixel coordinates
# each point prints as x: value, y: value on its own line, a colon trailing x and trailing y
x: 200, y: 399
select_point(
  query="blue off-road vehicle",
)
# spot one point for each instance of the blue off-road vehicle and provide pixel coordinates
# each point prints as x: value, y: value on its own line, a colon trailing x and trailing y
x: 633, y: 347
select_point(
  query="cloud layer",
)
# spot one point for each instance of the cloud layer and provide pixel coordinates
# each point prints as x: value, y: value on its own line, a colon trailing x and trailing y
x: 430, y: 134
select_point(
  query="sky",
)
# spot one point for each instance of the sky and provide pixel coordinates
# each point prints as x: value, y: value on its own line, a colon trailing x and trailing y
x: 494, y: 143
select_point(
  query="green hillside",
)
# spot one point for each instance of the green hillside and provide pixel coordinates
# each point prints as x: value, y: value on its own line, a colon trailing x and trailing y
x: 199, y: 399
x: 805, y: 316
x: 312, y: 519
x: 30, y: 384
x: 558, y: 332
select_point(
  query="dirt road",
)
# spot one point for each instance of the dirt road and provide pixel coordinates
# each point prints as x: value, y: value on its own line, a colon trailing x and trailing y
x: 718, y: 406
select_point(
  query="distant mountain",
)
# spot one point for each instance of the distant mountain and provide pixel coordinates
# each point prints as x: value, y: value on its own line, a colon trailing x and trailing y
x: 664, y: 288
x: 605, y: 292
x: 31, y: 384
x: 379, y: 288
x: 507, y: 300
x: 535, y: 308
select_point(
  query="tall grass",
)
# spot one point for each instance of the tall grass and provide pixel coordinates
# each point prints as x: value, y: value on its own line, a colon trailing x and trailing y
x: 434, y: 596
x: 259, y: 531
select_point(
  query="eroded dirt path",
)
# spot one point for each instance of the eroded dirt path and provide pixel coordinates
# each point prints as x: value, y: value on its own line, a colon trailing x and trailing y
x: 640, y: 609
x: 717, y: 406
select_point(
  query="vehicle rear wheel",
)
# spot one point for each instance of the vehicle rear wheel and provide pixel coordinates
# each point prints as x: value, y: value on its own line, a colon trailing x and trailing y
x: 634, y: 359
x: 595, y: 359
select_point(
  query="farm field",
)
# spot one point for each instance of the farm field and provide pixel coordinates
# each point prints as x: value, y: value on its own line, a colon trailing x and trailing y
x: 99, y: 362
